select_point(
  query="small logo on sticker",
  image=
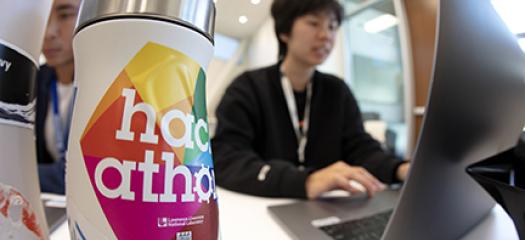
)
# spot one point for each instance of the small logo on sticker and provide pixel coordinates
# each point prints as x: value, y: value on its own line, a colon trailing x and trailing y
x: 184, y: 235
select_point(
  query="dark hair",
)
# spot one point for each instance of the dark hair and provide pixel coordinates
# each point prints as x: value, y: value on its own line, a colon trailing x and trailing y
x: 285, y: 12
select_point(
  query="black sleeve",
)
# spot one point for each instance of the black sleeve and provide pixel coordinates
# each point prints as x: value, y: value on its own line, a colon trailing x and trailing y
x: 359, y: 148
x: 238, y: 165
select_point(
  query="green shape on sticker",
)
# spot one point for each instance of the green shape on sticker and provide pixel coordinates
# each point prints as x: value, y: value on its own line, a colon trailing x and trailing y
x: 200, y: 112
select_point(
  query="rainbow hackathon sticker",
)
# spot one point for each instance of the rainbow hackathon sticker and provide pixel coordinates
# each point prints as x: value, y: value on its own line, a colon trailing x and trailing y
x: 147, y: 151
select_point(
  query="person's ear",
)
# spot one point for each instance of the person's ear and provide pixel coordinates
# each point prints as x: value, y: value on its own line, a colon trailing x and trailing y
x: 284, y: 37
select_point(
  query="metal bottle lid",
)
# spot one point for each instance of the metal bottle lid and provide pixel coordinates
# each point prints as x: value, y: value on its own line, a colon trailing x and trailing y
x: 196, y: 14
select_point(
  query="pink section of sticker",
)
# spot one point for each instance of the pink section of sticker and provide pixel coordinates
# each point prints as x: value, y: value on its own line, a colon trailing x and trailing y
x: 136, y: 219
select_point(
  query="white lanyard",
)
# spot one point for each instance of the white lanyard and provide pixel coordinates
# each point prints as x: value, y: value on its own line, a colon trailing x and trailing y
x: 61, y: 128
x: 302, y: 136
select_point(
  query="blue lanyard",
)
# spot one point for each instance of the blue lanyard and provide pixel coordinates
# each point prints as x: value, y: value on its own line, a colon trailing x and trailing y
x: 61, y: 128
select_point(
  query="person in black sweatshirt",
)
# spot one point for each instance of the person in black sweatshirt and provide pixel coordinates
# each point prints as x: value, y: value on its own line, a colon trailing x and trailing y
x: 288, y: 130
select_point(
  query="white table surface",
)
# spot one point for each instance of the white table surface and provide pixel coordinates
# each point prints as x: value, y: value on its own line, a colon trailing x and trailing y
x: 242, y: 215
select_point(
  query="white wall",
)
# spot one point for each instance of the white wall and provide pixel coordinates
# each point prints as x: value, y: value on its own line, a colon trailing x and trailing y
x: 219, y: 74
x: 263, y: 47
x: 213, y: 80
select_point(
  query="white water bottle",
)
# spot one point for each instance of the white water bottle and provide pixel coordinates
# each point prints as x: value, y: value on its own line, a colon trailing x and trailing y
x: 22, y: 28
x: 139, y: 159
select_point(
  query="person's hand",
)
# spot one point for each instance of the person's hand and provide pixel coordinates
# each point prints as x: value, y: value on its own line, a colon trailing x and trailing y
x: 338, y: 176
x: 402, y: 171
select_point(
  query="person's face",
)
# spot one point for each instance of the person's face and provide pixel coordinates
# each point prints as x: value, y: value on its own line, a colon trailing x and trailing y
x: 311, y: 38
x: 58, y: 48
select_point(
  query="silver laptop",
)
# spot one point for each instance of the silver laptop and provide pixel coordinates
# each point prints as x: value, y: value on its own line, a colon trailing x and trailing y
x: 475, y: 110
x: 310, y: 219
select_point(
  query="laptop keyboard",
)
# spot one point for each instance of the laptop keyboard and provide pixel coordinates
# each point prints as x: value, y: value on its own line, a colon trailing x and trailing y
x: 368, y: 228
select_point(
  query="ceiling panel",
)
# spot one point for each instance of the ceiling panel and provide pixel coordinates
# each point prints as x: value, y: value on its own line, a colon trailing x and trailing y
x: 229, y: 11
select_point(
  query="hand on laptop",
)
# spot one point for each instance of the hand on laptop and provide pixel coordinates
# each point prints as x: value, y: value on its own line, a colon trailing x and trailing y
x: 338, y: 176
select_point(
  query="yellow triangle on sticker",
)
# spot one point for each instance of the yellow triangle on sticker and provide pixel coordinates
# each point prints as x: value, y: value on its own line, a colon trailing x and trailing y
x: 162, y: 76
